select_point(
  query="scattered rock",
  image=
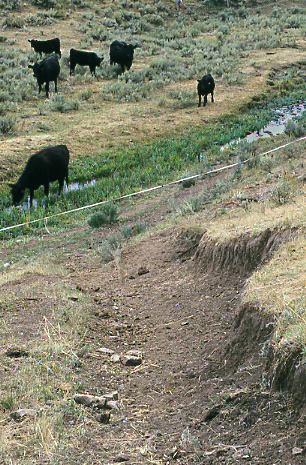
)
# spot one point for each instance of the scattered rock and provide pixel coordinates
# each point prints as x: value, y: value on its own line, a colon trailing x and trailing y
x: 111, y: 396
x: 131, y: 360
x: 112, y: 404
x: 244, y: 453
x: 121, y: 458
x: 135, y: 353
x: 103, y: 417
x: 142, y: 270
x: 90, y: 401
x: 106, y: 351
x: 115, y: 358
x: 18, y: 415
x: 297, y: 451
x: 138, y: 271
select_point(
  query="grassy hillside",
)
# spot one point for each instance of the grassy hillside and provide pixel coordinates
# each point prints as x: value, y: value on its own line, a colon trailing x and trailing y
x: 133, y: 131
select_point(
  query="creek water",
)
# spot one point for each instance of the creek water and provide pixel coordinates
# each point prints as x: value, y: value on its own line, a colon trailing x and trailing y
x: 275, y: 127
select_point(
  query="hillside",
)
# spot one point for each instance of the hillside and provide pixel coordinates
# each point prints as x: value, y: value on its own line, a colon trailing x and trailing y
x: 181, y: 322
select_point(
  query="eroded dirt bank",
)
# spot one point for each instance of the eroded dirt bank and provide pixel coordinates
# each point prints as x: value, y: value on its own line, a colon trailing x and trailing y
x: 202, y: 394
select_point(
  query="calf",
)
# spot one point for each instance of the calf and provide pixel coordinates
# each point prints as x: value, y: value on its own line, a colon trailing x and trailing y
x: 46, y: 71
x: 47, y: 165
x: 78, y: 57
x: 122, y: 54
x: 206, y: 86
x: 46, y: 46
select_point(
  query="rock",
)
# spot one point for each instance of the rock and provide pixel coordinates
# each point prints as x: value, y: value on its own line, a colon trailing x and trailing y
x: 18, y: 415
x: 135, y: 353
x: 121, y: 458
x: 111, y: 396
x: 142, y: 270
x: 115, y: 358
x: 244, y: 453
x: 297, y: 451
x: 106, y: 351
x: 138, y: 271
x: 90, y: 401
x: 103, y: 417
x: 112, y: 404
x: 131, y: 360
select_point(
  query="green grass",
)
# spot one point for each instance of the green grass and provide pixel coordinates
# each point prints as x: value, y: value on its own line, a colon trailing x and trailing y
x: 145, y: 165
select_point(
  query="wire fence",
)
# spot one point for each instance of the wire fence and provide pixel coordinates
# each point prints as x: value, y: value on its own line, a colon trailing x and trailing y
x: 144, y: 191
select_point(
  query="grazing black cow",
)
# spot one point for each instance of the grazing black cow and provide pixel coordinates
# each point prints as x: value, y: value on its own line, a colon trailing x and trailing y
x: 122, y: 54
x: 46, y: 46
x: 46, y: 71
x: 78, y: 57
x: 47, y: 165
x: 206, y: 86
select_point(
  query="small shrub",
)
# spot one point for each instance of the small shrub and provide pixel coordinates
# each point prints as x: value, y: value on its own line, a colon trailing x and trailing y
x: 59, y: 103
x: 130, y: 230
x: 110, y: 248
x: 282, y: 193
x: 107, y: 215
x: 13, y: 22
x: 293, y: 128
x: 7, y: 124
x: 85, y: 94
x: 267, y: 163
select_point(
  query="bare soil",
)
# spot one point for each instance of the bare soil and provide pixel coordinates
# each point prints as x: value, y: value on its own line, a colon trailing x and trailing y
x: 201, y: 394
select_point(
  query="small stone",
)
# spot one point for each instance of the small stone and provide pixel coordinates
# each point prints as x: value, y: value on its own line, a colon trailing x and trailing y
x: 142, y: 270
x: 103, y: 417
x: 297, y: 451
x: 18, y: 415
x: 131, y: 360
x: 90, y: 401
x: 106, y: 351
x: 115, y: 358
x: 112, y: 404
x: 121, y: 458
x: 111, y: 396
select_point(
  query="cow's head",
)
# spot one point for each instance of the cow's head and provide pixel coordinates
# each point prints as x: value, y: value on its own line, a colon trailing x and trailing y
x: 17, y: 193
x: 32, y: 42
x: 35, y: 68
x: 99, y: 60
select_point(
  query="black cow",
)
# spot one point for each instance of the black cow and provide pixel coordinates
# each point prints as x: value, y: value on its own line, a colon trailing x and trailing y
x: 46, y: 46
x: 78, y: 57
x: 47, y: 165
x: 206, y: 86
x: 46, y: 71
x: 122, y: 54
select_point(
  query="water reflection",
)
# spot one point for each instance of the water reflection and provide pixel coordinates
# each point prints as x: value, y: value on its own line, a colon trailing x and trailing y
x: 275, y: 127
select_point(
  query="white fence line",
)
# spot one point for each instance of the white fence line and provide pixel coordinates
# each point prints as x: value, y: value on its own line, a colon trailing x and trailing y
x: 45, y: 218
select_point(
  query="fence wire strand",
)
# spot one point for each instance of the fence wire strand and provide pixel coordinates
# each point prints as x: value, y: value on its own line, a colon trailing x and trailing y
x: 144, y: 191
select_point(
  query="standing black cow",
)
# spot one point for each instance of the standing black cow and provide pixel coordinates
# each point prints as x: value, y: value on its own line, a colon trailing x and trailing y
x: 206, y: 86
x: 46, y: 71
x: 46, y: 46
x: 122, y: 54
x: 78, y: 57
x: 47, y: 165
